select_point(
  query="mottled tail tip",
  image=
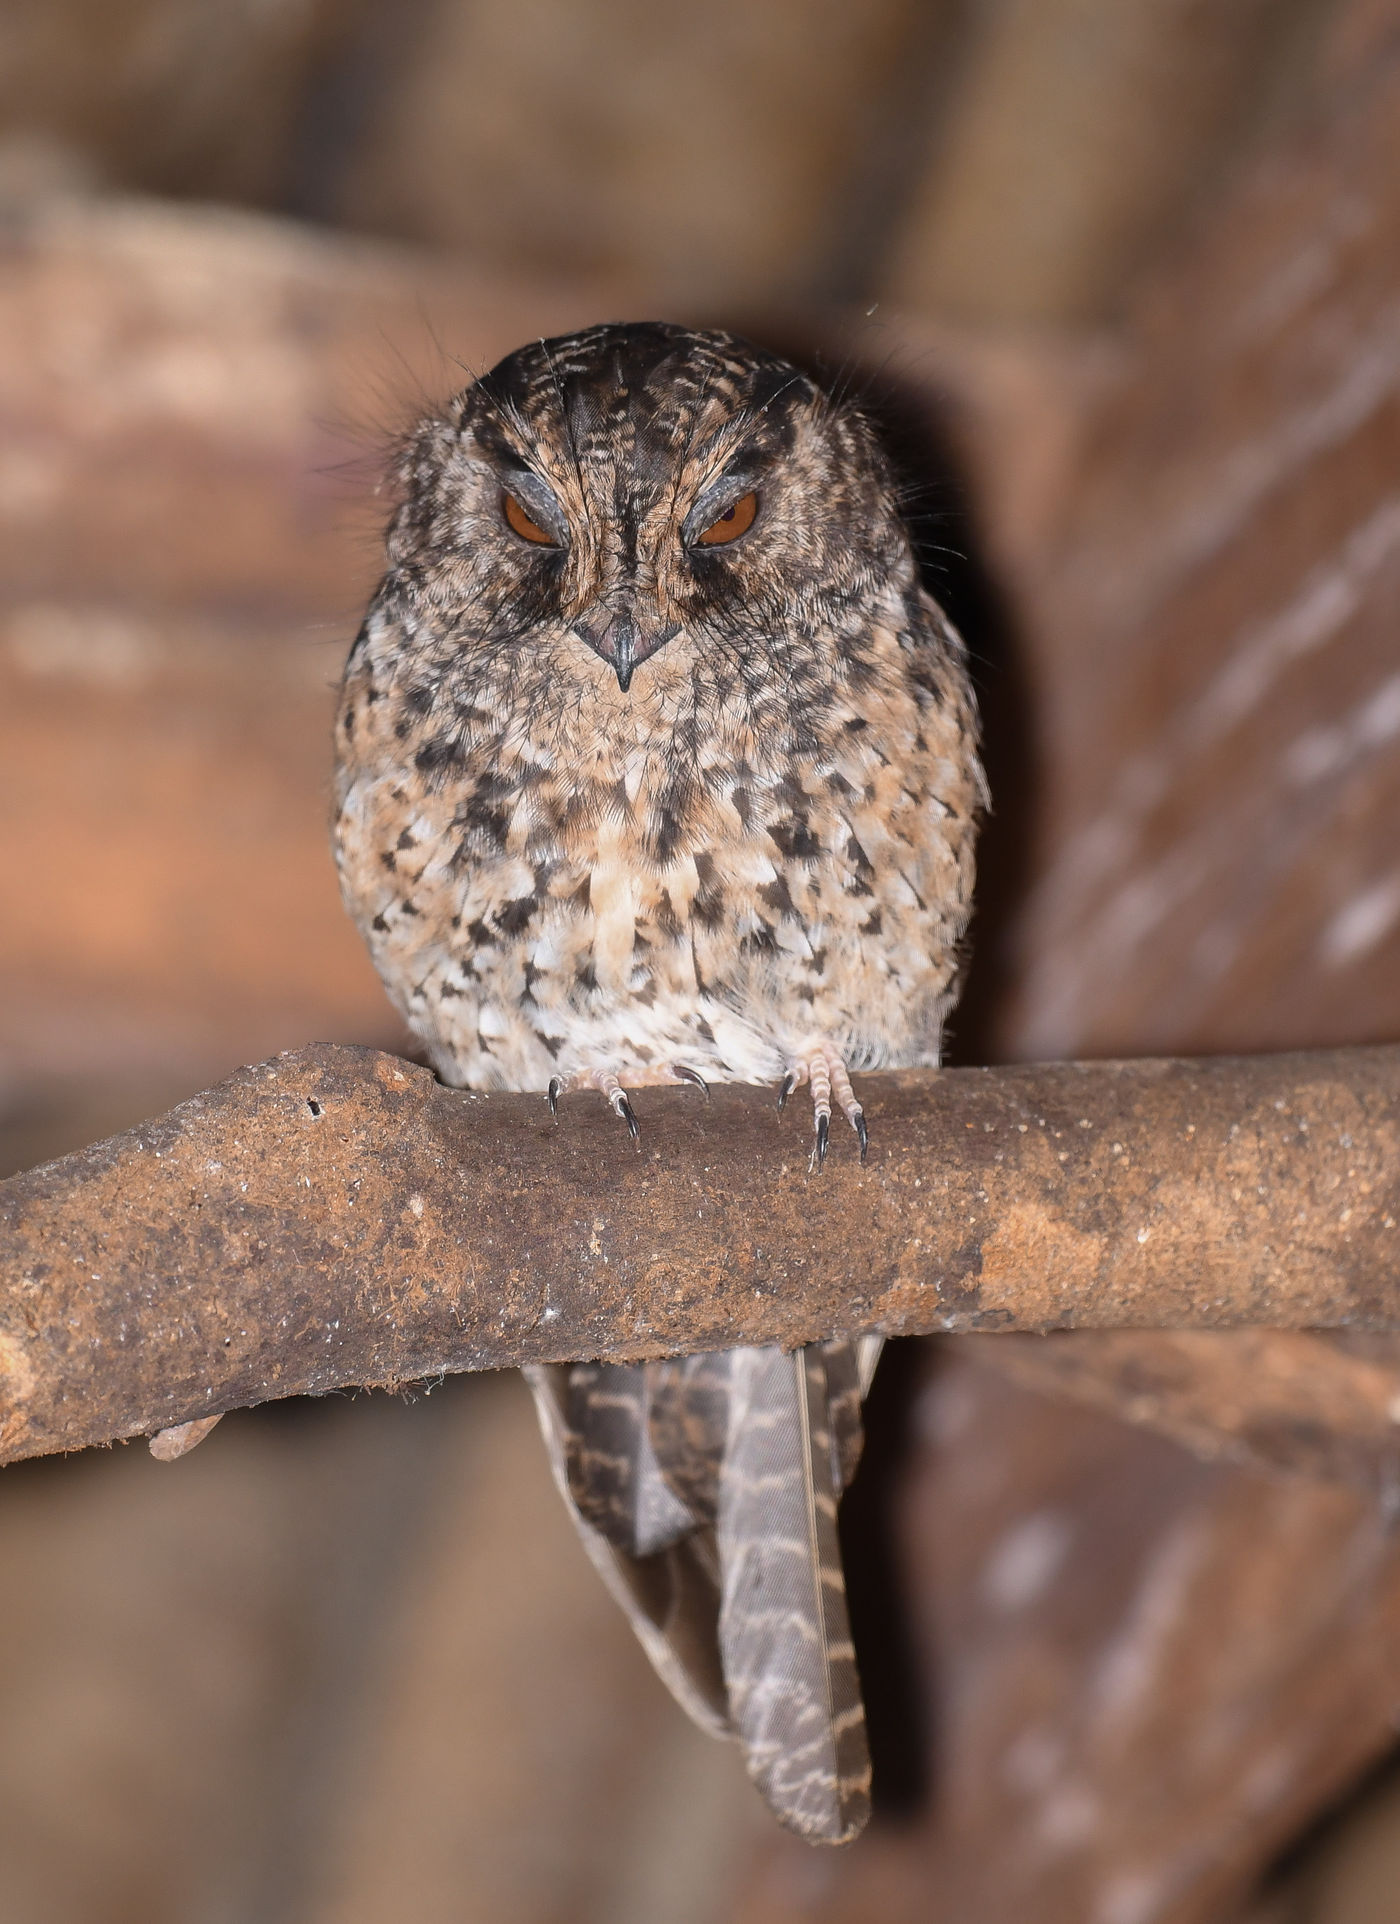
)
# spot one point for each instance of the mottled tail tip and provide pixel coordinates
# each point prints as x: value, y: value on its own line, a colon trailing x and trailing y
x: 839, y: 1823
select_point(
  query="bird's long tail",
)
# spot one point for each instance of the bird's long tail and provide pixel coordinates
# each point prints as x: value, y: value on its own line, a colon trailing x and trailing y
x: 705, y: 1490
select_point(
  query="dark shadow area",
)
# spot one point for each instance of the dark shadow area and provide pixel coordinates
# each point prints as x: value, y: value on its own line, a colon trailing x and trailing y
x: 1347, y: 1838
x: 886, y: 1646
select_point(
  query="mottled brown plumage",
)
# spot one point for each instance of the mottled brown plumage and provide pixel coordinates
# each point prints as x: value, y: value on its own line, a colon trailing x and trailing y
x: 623, y: 800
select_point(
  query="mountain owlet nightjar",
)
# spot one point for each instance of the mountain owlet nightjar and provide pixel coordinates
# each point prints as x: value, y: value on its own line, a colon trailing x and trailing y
x: 656, y: 763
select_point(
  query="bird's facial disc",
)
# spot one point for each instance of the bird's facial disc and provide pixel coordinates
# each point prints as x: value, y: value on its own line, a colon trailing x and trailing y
x: 617, y: 550
x: 630, y: 500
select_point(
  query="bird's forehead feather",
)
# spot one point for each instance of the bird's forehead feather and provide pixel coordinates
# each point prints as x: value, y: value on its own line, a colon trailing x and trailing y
x: 656, y: 393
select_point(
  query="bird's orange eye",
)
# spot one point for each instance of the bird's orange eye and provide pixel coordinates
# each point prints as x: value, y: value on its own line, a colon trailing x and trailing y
x: 520, y: 523
x: 732, y: 523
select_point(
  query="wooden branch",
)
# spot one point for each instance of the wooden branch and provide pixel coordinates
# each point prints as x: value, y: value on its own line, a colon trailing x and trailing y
x: 336, y: 1217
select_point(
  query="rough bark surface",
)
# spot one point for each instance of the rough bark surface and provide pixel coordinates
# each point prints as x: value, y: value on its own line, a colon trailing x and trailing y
x: 337, y: 1217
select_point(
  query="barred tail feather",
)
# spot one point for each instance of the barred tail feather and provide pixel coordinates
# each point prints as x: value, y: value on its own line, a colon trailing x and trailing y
x: 784, y: 1633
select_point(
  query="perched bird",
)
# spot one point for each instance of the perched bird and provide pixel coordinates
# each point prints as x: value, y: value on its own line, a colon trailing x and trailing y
x: 657, y: 764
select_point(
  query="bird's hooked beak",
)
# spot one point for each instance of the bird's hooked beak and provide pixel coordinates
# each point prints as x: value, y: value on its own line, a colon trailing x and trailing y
x: 618, y: 640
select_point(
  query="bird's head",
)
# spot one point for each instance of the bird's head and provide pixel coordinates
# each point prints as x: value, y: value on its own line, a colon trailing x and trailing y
x: 640, y: 505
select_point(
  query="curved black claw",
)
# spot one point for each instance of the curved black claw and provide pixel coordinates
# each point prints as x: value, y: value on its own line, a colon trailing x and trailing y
x: 682, y: 1074
x: 789, y: 1084
x: 862, y: 1133
x: 823, y: 1142
x: 556, y: 1089
x: 623, y: 1108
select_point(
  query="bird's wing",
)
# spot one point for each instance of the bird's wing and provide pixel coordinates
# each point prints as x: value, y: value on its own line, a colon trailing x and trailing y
x: 690, y: 1426
x: 615, y: 1481
x: 670, y: 1596
x: 843, y: 1400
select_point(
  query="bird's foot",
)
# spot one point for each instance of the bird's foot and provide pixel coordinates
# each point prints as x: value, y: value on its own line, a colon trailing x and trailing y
x: 681, y: 1072
x: 609, y: 1086
x: 824, y: 1070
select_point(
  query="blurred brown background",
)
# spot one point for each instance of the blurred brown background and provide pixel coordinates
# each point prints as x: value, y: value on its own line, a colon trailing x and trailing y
x: 1123, y: 276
